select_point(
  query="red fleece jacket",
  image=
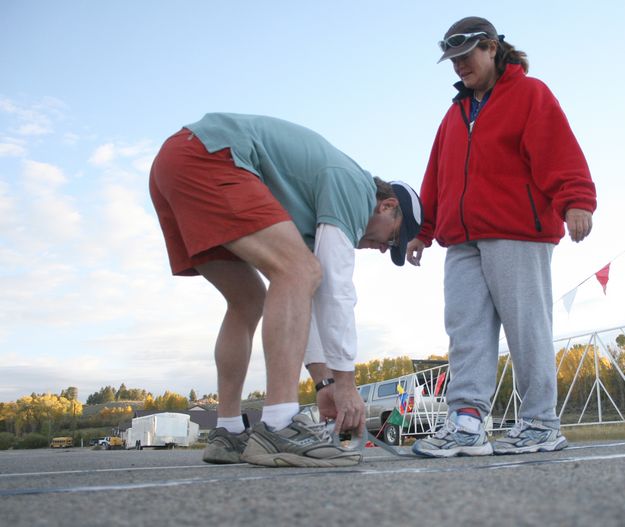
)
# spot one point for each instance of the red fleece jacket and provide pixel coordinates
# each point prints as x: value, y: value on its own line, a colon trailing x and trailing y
x: 513, y: 177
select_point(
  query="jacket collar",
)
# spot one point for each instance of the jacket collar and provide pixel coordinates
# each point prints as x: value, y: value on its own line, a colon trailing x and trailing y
x: 512, y: 71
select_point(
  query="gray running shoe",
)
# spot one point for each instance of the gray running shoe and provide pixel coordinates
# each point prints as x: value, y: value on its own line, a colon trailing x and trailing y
x: 224, y: 447
x: 453, y: 440
x: 304, y: 443
x: 530, y: 436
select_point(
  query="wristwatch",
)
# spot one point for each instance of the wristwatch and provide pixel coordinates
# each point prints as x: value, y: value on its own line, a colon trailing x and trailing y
x: 323, y: 383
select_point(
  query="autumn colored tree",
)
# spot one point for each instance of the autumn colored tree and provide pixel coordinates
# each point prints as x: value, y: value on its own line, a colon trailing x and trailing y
x: 39, y: 413
x: 169, y: 401
x: 307, y: 393
x: 373, y: 371
x: 116, y: 414
x: 8, y: 411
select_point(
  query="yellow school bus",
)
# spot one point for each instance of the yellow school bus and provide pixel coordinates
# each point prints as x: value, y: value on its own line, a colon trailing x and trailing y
x: 62, y: 442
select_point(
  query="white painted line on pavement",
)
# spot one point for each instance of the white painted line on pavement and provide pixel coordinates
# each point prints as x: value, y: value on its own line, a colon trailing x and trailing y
x: 281, y: 473
x: 210, y: 465
x: 122, y: 469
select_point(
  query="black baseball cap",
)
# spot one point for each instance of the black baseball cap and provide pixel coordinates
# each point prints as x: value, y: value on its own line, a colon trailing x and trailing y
x: 412, y: 219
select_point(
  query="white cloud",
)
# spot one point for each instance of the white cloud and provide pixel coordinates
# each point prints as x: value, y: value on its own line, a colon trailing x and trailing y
x: 103, y: 155
x: 7, y: 207
x: 52, y: 215
x: 135, y: 150
x: 42, y: 178
x: 8, y: 106
x: 42, y: 127
x: 143, y: 164
x: 140, y: 155
x: 56, y: 217
x: 11, y: 150
x: 25, y: 375
x: 36, y: 118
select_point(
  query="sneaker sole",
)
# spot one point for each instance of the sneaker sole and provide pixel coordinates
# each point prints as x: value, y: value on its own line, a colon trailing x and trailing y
x: 560, y: 444
x: 284, y: 459
x: 218, y: 456
x: 484, y: 450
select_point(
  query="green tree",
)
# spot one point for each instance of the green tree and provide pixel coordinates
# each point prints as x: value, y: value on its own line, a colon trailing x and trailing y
x: 7, y: 440
x: 108, y: 394
x: 32, y: 440
x: 122, y: 393
x: 71, y: 393
x: 192, y: 395
x: 135, y: 394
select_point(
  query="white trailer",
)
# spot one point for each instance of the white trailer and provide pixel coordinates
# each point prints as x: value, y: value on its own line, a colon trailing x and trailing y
x: 166, y: 429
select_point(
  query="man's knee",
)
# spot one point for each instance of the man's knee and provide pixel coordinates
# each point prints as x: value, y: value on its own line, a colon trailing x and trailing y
x: 303, y: 269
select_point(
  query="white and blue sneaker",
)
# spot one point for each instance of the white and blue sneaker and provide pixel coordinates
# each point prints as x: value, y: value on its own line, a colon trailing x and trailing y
x: 455, y: 439
x: 530, y: 436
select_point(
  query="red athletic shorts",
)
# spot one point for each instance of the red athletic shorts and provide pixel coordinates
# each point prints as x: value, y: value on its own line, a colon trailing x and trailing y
x: 203, y: 201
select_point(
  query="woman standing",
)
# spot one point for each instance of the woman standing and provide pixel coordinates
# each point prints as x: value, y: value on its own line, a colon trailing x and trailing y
x: 504, y: 173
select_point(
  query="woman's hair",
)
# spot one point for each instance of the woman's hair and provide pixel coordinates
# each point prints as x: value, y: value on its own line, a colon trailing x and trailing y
x: 506, y: 54
x: 384, y: 190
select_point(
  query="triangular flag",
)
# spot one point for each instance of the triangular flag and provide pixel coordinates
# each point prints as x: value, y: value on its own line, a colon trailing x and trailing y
x: 567, y: 299
x: 603, y: 275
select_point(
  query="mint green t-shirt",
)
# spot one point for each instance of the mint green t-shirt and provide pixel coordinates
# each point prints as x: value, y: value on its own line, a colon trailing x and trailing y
x: 314, y: 181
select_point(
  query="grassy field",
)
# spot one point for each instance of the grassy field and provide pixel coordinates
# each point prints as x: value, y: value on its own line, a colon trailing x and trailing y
x: 594, y: 432
x: 577, y: 433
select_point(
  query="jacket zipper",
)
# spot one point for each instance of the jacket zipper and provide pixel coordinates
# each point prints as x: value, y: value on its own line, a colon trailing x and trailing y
x: 537, y: 223
x: 466, y: 169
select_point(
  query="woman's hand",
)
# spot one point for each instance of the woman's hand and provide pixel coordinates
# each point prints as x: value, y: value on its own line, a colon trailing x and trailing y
x: 579, y: 223
x: 414, y: 250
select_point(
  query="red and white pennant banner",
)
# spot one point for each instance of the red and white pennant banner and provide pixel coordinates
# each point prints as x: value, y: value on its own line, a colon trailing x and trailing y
x: 602, y: 275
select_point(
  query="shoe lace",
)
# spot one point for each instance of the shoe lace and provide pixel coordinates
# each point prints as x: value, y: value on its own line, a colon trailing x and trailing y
x: 448, y: 428
x: 518, y: 427
x: 319, y: 430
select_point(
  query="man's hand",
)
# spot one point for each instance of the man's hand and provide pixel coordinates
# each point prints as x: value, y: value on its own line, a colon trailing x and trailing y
x: 325, y: 403
x: 339, y: 401
x: 414, y: 250
x: 579, y: 223
x: 350, y: 408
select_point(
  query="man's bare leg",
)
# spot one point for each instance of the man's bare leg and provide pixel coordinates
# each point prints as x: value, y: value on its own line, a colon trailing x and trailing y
x: 244, y: 292
x: 294, y: 274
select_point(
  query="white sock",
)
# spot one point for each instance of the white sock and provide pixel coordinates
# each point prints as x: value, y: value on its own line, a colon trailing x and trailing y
x: 468, y: 422
x: 279, y: 416
x: 234, y: 425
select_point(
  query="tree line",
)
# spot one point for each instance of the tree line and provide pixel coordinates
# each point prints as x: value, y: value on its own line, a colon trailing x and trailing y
x: 45, y: 415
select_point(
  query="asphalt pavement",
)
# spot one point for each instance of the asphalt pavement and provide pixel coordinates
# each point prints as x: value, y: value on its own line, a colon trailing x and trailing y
x: 580, y: 486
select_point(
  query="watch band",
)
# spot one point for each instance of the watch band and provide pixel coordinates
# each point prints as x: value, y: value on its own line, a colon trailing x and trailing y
x: 323, y: 383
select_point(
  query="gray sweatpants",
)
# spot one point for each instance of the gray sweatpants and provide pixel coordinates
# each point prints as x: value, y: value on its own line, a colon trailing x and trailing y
x: 490, y: 283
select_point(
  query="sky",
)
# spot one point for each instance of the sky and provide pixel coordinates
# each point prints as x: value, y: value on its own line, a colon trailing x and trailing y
x: 90, y: 90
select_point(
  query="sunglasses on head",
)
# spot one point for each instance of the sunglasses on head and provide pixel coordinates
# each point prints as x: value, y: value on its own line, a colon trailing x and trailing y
x: 454, y: 41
